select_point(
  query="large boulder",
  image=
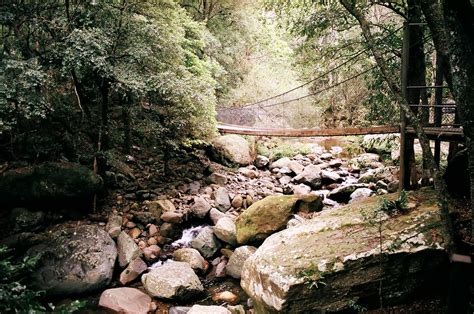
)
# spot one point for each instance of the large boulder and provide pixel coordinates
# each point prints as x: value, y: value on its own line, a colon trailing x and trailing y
x: 237, y: 260
x: 172, y: 281
x: 75, y: 260
x: 206, y: 242
x: 225, y: 230
x: 125, y: 300
x: 271, y: 214
x: 311, y: 175
x: 334, y: 260
x: 232, y: 149
x: 49, y: 186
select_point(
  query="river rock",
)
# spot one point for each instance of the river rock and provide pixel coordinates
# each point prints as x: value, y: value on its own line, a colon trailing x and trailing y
x: 125, y: 300
x: 261, y: 161
x: 215, y: 215
x: 386, y: 174
x: 364, y: 160
x: 127, y: 249
x: 343, y: 193
x: 200, y: 207
x: 301, y: 189
x: 75, y: 260
x: 114, y: 225
x: 23, y: 219
x: 270, y: 215
x: 232, y: 148
x: 324, y: 264
x: 53, y: 185
x: 166, y: 206
x: 206, y: 242
x: 360, y: 194
x: 222, y: 199
x: 237, y: 201
x: 225, y: 230
x: 133, y: 270
x: 192, y: 257
x: 208, y: 309
x: 330, y: 176
x: 227, y: 297
x: 172, y: 281
x: 172, y: 217
x: 295, y: 167
x: 249, y: 173
x: 280, y: 163
x: 237, y: 260
x: 218, y: 179
x: 311, y: 176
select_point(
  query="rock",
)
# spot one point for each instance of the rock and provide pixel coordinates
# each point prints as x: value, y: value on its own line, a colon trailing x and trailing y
x: 219, y: 270
x: 152, y: 230
x: 238, y: 201
x: 125, y: 300
x: 127, y: 249
x: 74, y: 260
x: 154, y: 208
x: 284, y: 180
x: 360, y: 193
x: 179, y: 309
x: 343, y: 193
x: 200, y: 207
x: 23, y: 219
x: 301, y: 189
x: 325, y: 156
x: 206, y: 242
x: 135, y: 233
x: 249, y: 173
x: 343, y: 247
x: 227, y: 297
x: 270, y: 215
x: 166, y: 206
x: 295, y: 167
x: 218, y: 179
x: 393, y: 186
x: 311, y: 176
x: 192, y: 257
x: 261, y: 161
x: 335, y: 163
x: 237, y: 260
x: 456, y: 176
x: 225, y: 230
x: 208, y: 309
x: 133, y: 270
x: 237, y: 309
x: 144, y: 218
x: 53, y: 185
x: 167, y: 230
x: 330, y: 176
x: 280, y: 163
x: 249, y: 200
x: 152, y: 252
x: 172, y: 217
x: 215, y: 215
x: 222, y: 200
x: 172, y: 281
x: 384, y: 173
x: 232, y: 148
x: 364, y: 160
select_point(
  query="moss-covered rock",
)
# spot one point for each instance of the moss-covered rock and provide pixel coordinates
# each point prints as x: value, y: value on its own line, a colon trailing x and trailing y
x: 334, y: 260
x: 63, y: 185
x: 232, y: 149
x: 271, y: 214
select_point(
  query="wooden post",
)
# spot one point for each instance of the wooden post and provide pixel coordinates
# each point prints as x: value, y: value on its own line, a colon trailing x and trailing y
x: 404, y: 158
x: 438, y: 102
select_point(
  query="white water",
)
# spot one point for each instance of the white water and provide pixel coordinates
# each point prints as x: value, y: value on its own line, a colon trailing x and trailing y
x: 188, y: 235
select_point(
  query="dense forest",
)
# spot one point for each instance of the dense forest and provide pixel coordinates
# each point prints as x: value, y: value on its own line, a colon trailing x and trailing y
x: 108, y: 121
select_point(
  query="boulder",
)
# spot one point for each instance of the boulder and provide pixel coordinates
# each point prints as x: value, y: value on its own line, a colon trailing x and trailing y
x: 208, y: 309
x: 166, y: 206
x: 330, y: 176
x: 23, y: 219
x: 386, y: 174
x: 325, y: 264
x: 280, y: 163
x: 74, y: 260
x: 295, y: 167
x: 364, y: 160
x: 237, y: 260
x: 206, y: 242
x: 127, y: 249
x: 192, y: 257
x: 200, y: 207
x: 343, y: 193
x: 237, y: 201
x: 301, y: 189
x: 225, y: 230
x: 311, y: 176
x: 233, y: 149
x: 360, y: 193
x: 133, y: 270
x: 215, y: 215
x: 49, y: 186
x: 261, y: 161
x: 222, y: 199
x: 380, y: 143
x: 271, y: 214
x: 218, y: 179
x: 172, y: 217
x: 249, y: 173
x: 172, y: 281
x: 125, y: 300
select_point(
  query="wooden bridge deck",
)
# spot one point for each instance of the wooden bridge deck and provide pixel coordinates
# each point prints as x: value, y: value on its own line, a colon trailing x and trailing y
x: 432, y: 132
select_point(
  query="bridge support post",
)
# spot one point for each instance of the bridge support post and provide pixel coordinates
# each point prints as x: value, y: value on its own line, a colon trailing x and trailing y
x: 404, y: 154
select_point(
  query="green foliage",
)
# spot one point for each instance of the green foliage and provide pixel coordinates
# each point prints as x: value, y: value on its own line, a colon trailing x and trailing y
x: 312, y: 277
x: 400, y: 205
x: 277, y: 149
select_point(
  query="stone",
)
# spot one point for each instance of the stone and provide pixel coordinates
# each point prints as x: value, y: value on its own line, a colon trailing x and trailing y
x: 343, y: 247
x: 330, y: 176
x: 52, y: 186
x: 393, y: 186
x: 280, y: 163
x: 152, y: 252
x: 215, y: 215
x: 360, y: 193
x: 200, y: 208
x: 219, y: 270
x: 166, y: 206
x: 238, y: 201
x: 172, y: 217
x: 236, y: 309
x: 295, y: 167
x: 172, y: 281
x: 335, y: 163
x: 154, y: 208
x: 301, y: 189
x: 232, y: 149
x: 325, y: 156
x: 127, y: 249
x: 23, y: 219
x: 192, y: 257
x: 222, y: 199
x: 261, y: 161
x: 179, y: 310
x: 206, y: 242
x: 311, y: 176
x: 249, y: 173
x: 133, y: 270
x: 208, y: 309
x: 152, y: 230
x: 237, y: 260
x: 380, y: 174
x: 284, y: 180
x: 271, y: 214
x: 364, y: 160
x: 343, y: 193
x: 225, y: 230
x: 74, y: 260
x: 217, y: 178
x: 125, y: 300
x: 227, y: 297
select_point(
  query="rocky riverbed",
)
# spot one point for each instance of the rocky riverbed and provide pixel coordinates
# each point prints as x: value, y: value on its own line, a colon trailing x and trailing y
x: 182, y: 246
